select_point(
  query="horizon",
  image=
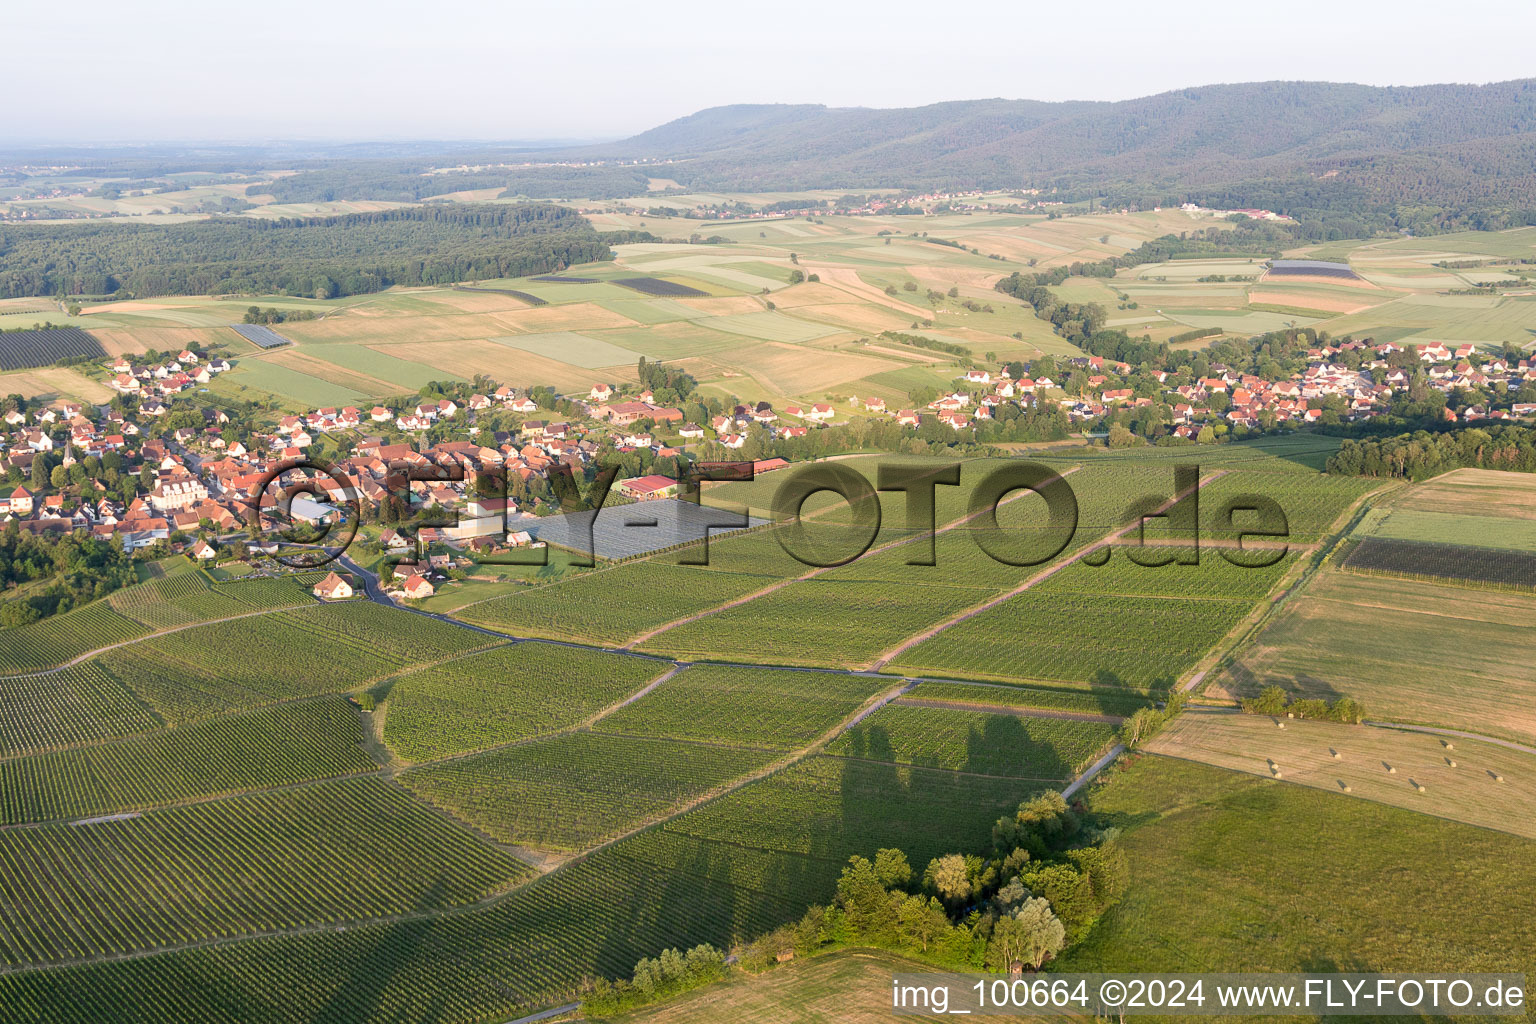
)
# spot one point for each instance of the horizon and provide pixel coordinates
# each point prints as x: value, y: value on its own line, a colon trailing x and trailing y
x: 516, y: 144
x: 352, y: 74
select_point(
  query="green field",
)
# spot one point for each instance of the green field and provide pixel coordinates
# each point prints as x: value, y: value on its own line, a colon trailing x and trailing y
x: 1033, y: 749
x: 503, y: 695
x: 573, y: 791
x: 1236, y: 873
x: 1410, y: 651
x: 744, y: 706
x: 329, y: 853
x: 275, y: 746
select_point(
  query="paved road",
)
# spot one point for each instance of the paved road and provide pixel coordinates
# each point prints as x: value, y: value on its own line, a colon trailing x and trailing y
x: 1093, y: 769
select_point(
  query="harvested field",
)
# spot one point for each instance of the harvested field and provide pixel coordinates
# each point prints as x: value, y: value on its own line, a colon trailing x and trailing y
x: 1468, y: 791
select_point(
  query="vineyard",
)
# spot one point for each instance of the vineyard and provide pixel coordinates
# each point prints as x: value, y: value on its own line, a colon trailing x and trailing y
x: 1119, y: 624
x: 1045, y: 750
x: 327, y: 853
x: 76, y: 705
x: 505, y: 694
x: 1515, y: 570
x: 1098, y: 702
x: 55, y: 640
x: 191, y: 598
x: 243, y: 663
x: 774, y: 708
x: 22, y: 350
x: 572, y: 791
x: 731, y: 869
x: 613, y: 605
x: 274, y: 746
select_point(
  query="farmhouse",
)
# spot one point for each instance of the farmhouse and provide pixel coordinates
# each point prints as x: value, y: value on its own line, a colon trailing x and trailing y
x: 417, y: 587
x: 333, y: 588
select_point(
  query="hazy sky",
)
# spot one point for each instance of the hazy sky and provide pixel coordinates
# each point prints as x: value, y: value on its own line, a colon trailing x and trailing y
x: 354, y: 69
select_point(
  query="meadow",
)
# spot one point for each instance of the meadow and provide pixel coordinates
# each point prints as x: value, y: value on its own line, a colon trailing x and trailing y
x: 1235, y: 873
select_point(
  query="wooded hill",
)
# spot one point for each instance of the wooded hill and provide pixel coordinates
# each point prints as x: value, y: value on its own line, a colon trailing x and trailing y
x: 1418, y: 153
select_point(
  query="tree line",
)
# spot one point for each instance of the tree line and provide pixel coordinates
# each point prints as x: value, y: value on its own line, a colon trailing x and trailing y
x: 322, y: 257
x: 1422, y: 454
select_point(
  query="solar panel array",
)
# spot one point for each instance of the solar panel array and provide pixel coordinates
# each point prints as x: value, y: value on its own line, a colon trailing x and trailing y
x: 20, y: 350
x: 262, y: 337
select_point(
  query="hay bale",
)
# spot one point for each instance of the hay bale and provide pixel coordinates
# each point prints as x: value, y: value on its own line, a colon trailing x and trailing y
x: 1498, y: 778
x: 1391, y: 770
x: 1280, y: 724
x: 1450, y: 762
x: 1419, y: 786
x: 1336, y: 755
x: 1344, y: 786
x: 1448, y: 744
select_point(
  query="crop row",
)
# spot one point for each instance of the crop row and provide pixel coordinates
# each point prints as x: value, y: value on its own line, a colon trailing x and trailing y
x: 269, y: 747
x: 247, y: 662
x: 820, y: 621
x: 988, y: 743
x: 676, y: 886
x: 61, y: 638
x: 339, y: 851
x: 616, y: 604
x: 505, y: 694
x: 1096, y: 702
x: 572, y: 791
x: 1140, y: 642
x: 745, y: 706
x: 76, y: 705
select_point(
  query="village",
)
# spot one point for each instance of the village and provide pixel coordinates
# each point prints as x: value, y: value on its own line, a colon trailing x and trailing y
x: 161, y: 468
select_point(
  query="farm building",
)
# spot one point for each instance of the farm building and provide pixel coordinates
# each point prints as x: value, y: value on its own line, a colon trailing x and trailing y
x: 647, y: 488
x: 333, y: 588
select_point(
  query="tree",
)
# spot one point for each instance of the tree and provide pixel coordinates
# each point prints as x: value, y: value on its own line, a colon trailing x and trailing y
x: 41, y: 473
x: 920, y: 920
x: 950, y: 877
x: 1120, y: 436
x: 1270, y: 701
x: 892, y: 868
x: 1206, y: 435
x: 1041, y: 933
x: 796, y: 276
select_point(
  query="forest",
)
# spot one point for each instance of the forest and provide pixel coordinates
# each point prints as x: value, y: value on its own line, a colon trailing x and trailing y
x: 1422, y: 454
x: 322, y: 257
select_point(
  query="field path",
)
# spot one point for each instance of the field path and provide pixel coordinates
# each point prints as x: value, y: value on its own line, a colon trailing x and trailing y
x: 812, y: 574
x: 888, y: 656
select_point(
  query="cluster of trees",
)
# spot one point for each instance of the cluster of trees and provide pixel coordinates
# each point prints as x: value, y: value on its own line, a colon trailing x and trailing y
x: 1273, y: 700
x: 932, y: 344
x: 1047, y: 878
x: 1148, y: 722
x: 669, y: 384
x: 321, y: 257
x: 669, y: 974
x: 82, y: 568
x: 1421, y: 454
x: 273, y: 315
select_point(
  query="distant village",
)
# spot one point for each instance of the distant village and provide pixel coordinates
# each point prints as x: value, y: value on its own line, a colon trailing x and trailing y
x: 184, y: 478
